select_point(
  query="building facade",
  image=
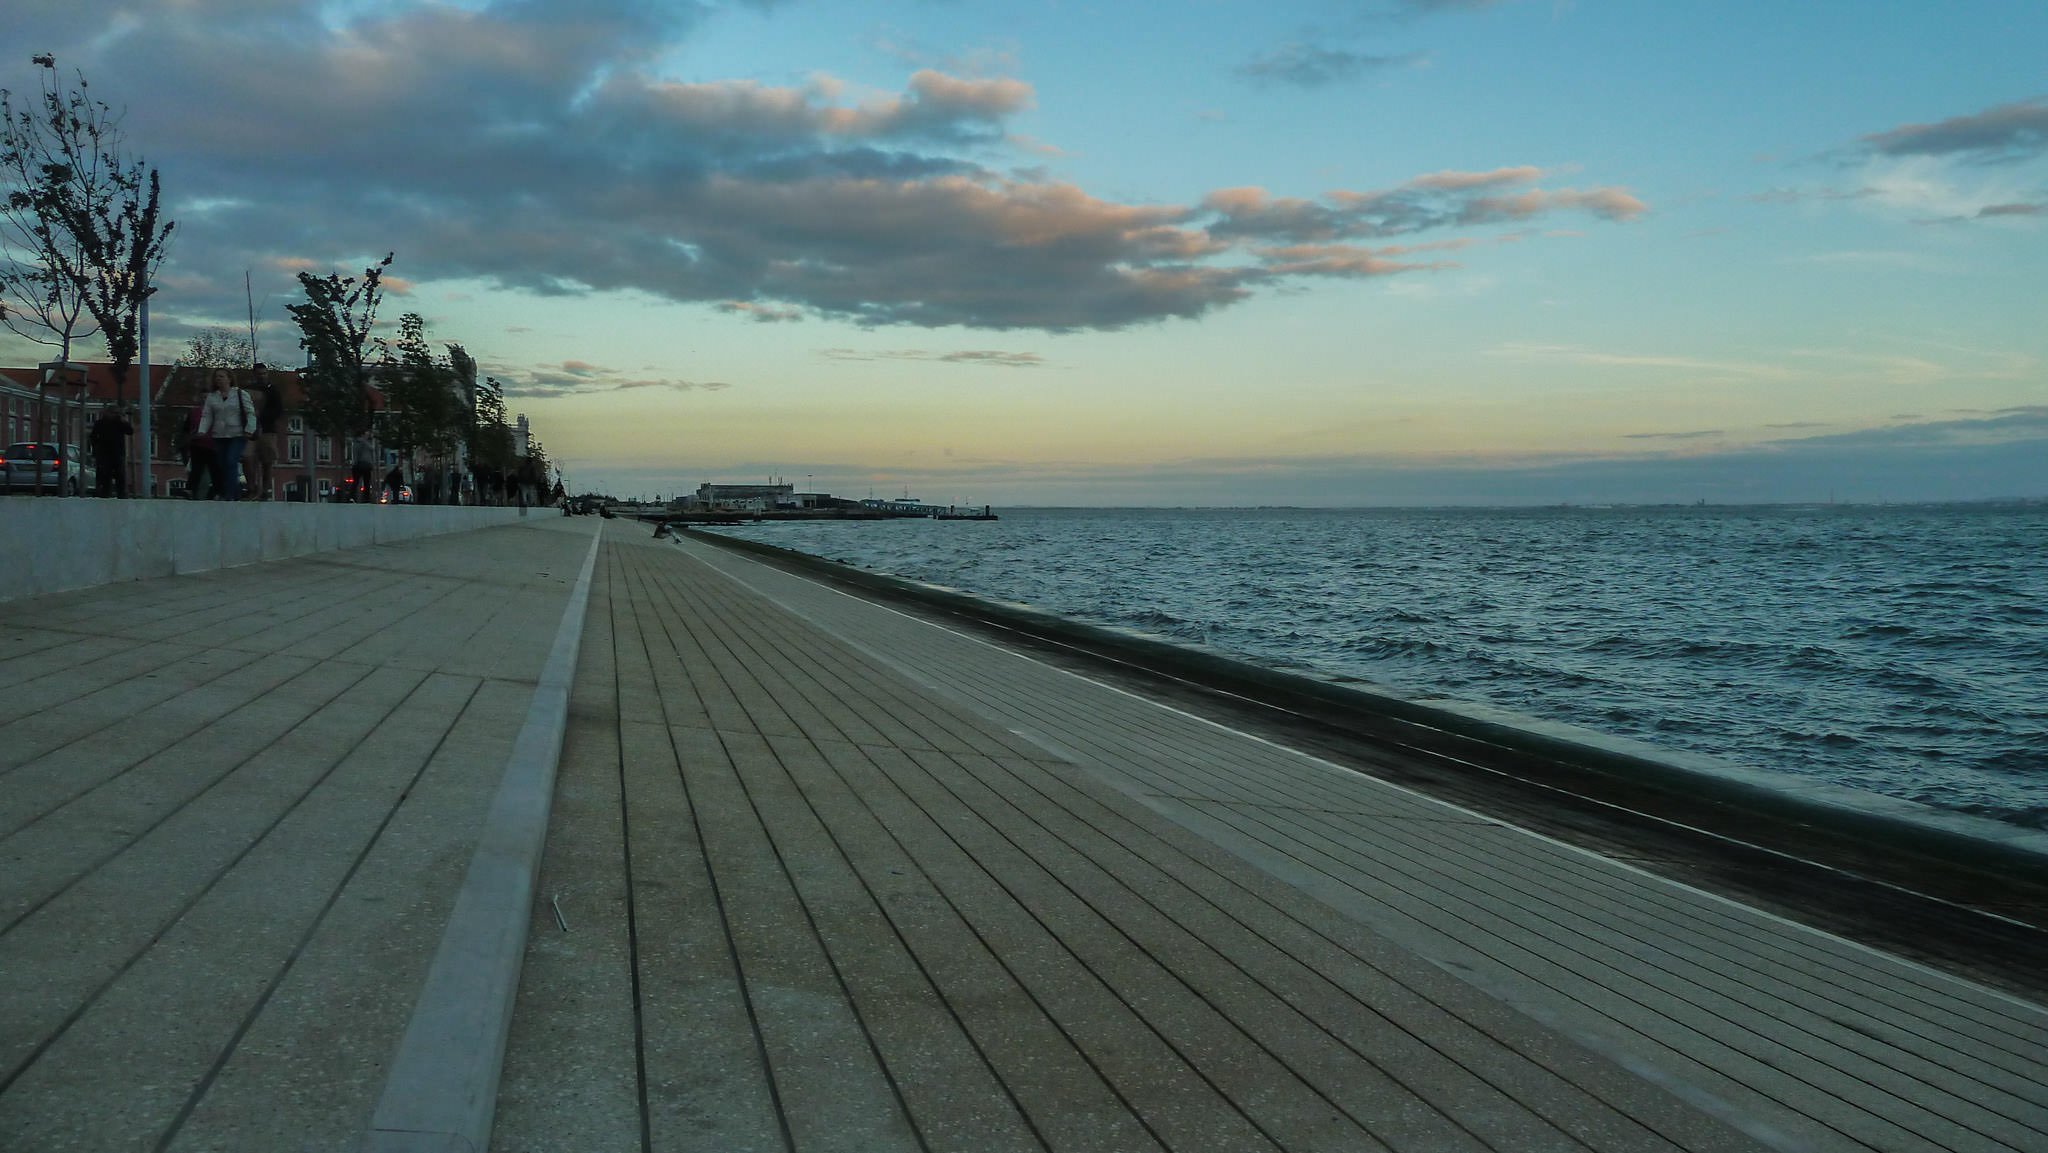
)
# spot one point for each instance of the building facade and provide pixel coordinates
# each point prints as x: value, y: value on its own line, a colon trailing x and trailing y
x: 62, y: 410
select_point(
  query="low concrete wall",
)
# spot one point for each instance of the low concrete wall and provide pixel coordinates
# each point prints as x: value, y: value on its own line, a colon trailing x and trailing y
x: 52, y: 544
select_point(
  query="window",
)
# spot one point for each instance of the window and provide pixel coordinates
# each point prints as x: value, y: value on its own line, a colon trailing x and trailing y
x: 326, y: 486
x: 326, y: 449
x: 298, y: 424
x: 295, y: 449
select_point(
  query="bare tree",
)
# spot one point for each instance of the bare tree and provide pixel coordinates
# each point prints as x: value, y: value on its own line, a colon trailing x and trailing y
x: 96, y: 214
x: 218, y: 348
x: 39, y: 300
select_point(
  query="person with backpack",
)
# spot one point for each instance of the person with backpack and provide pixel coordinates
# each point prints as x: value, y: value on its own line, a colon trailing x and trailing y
x: 229, y: 417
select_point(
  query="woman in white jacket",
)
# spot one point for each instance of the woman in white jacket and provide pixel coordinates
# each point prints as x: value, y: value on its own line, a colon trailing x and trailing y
x: 230, y: 417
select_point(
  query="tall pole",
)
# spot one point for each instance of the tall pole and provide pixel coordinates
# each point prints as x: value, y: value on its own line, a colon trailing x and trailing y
x: 347, y: 447
x: 144, y: 478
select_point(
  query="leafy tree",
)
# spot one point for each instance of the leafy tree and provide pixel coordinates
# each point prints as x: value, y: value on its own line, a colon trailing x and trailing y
x: 334, y: 326
x: 424, y: 410
x: 489, y: 439
x: 93, y: 217
x: 539, y: 457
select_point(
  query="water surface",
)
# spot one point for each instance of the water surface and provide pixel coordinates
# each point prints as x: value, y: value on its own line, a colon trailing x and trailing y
x: 1902, y: 650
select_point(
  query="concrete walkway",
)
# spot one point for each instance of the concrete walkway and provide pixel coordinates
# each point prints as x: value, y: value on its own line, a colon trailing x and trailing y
x: 825, y: 877
x: 822, y: 876
x: 234, y: 809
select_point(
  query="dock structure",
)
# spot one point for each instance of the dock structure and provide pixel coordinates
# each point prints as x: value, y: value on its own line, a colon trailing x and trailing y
x: 823, y: 875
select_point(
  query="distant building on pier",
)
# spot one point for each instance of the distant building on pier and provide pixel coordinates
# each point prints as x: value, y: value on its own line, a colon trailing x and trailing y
x: 745, y: 497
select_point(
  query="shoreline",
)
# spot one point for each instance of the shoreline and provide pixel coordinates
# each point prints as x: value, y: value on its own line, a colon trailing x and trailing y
x: 1893, y: 872
x: 1892, y: 680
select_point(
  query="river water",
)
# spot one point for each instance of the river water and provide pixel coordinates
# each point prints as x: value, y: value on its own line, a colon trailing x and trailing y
x: 1903, y: 650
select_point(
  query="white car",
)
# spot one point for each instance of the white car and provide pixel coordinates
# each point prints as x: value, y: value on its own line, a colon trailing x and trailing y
x: 22, y: 458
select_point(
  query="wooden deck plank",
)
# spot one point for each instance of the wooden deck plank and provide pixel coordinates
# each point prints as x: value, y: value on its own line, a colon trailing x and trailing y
x: 1853, y: 1047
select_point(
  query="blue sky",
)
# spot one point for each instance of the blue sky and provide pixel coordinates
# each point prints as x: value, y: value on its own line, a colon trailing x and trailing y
x: 1413, y: 251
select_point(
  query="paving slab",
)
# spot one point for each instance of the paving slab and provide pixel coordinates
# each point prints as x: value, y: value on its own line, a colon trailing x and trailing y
x: 231, y: 829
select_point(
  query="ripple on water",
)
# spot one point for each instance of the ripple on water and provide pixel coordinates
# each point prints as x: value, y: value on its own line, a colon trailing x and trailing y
x: 1898, y: 649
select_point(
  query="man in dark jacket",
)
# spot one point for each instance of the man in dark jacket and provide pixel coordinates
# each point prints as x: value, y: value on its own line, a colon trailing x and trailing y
x: 109, y: 440
x: 269, y: 409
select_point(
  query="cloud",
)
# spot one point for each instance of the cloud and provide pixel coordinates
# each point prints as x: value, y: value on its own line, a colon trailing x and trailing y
x: 760, y: 313
x: 539, y: 145
x: 1453, y: 181
x: 1573, y: 354
x: 1345, y: 260
x: 1697, y: 434
x: 1862, y: 365
x: 1979, y: 166
x: 742, y: 114
x: 2001, y: 133
x: 582, y: 378
x: 1431, y: 201
x: 964, y: 356
x: 1002, y: 359
x: 2020, y: 424
x: 1307, y: 66
x: 1802, y: 195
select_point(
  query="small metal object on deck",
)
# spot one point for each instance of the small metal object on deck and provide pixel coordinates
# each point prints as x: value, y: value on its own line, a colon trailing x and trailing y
x: 555, y: 902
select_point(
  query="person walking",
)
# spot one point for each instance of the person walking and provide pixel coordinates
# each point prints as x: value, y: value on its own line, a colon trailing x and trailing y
x: 269, y: 410
x: 109, y: 439
x: 228, y: 417
x: 362, y: 458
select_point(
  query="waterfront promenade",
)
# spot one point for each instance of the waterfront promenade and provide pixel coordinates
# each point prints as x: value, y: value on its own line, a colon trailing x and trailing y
x: 823, y: 876
x: 235, y: 807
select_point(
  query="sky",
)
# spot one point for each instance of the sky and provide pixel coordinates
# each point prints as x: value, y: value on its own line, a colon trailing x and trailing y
x: 1216, y: 252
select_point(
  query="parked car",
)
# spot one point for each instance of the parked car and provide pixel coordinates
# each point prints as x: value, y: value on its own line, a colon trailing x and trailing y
x: 23, y: 459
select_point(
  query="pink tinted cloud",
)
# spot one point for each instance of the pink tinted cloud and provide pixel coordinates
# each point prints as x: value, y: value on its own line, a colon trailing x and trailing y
x: 1453, y: 181
x: 1607, y: 203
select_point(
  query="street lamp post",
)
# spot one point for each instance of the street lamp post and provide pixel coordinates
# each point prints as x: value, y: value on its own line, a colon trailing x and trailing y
x: 144, y: 476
